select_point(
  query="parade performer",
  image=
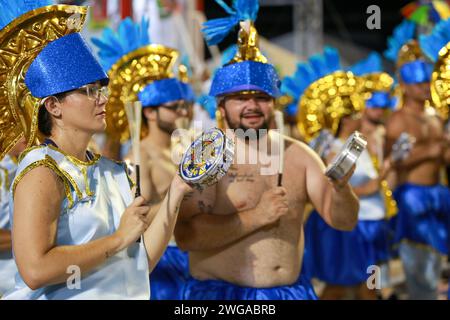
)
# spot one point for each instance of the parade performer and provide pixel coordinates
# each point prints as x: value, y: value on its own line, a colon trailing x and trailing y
x: 424, y: 207
x: 244, y: 235
x: 165, y: 102
x: 339, y: 110
x: 72, y: 212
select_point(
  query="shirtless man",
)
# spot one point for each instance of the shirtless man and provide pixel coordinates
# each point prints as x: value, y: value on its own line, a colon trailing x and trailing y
x: 423, y: 203
x: 161, y: 112
x: 247, y: 232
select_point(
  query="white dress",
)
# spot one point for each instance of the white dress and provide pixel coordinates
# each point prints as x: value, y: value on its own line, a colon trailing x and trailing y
x: 97, y: 193
x: 371, y: 207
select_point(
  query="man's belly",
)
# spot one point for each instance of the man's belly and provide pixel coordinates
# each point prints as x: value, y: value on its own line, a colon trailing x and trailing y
x: 263, y: 259
x: 424, y: 174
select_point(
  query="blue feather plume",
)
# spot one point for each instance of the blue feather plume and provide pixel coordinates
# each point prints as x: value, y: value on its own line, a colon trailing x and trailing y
x: 114, y: 45
x: 216, y: 30
x: 228, y: 54
x: 403, y: 33
x: 371, y: 64
x: 12, y: 9
x: 318, y: 66
x: 431, y: 44
x: 209, y: 104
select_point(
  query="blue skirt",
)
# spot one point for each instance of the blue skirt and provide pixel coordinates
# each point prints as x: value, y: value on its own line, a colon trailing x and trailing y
x: 221, y: 290
x: 423, y: 216
x: 343, y: 257
x: 170, y: 274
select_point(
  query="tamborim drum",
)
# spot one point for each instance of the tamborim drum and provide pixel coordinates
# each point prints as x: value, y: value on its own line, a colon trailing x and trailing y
x: 207, y: 159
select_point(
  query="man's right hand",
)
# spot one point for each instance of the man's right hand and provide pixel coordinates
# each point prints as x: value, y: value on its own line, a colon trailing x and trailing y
x: 272, y: 206
x: 133, y: 223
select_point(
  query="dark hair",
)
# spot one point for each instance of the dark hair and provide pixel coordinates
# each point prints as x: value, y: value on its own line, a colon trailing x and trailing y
x: 44, y: 118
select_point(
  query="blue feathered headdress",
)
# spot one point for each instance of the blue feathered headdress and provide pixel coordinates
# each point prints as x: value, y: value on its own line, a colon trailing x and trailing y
x: 114, y: 45
x: 372, y: 64
x: 431, y: 44
x: 216, y: 30
x: 318, y: 66
x: 12, y: 9
x: 209, y: 104
x: 403, y: 33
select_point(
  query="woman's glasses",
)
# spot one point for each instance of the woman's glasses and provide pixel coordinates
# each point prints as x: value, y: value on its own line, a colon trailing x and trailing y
x: 93, y: 91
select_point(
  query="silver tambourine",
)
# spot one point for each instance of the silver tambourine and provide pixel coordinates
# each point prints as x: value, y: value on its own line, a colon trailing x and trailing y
x: 347, y: 157
x: 207, y: 159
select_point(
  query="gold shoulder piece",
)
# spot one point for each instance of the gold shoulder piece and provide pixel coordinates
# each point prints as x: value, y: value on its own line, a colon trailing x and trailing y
x: 20, y: 42
x: 52, y: 165
x: 440, y: 82
x: 128, y: 77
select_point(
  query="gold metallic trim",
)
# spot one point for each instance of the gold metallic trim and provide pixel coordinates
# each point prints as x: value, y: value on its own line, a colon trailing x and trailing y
x: 86, y: 182
x: 47, y: 162
x: 390, y: 204
x: 6, y: 174
x: 77, y: 162
x: 27, y: 151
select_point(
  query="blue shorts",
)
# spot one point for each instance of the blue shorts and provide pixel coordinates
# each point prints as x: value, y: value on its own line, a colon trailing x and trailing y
x: 343, y: 257
x: 423, y: 216
x: 221, y: 290
x: 169, y: 276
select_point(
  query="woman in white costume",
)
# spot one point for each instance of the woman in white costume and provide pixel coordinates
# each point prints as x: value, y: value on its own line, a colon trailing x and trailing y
x: 75, y: 224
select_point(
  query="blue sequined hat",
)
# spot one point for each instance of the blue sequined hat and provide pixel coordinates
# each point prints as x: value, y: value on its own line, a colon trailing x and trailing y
x: 248, y: 71
x: 63, y: 65
x: 381, y: 99
x: 188, y: 92
x: 406, y: 52
x: 161, y: 91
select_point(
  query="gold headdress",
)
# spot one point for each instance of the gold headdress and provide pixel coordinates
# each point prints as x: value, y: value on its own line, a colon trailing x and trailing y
x: 440, y: 82
x: 20, y: 42
x: 327, y: 100
x: 409, y: 52
x: 128, y: 77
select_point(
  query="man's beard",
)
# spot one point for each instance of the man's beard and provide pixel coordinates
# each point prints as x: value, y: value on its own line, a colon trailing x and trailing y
x: 377, y: 122
x: 164, y: 126
x: 260, y: 132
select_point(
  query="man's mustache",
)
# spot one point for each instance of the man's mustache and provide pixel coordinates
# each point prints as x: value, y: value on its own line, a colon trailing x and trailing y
x: 252, y: 113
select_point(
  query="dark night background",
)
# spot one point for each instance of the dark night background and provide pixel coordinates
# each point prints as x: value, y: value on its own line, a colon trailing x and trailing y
x: 274, y: 21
